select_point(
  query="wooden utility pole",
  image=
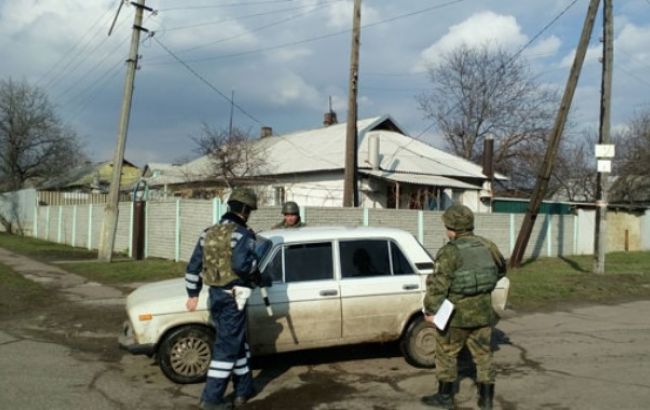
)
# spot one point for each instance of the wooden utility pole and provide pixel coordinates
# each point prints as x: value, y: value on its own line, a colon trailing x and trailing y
x: 554, y: 140
x: 350, y: 191
x: 600, y: 238
x: 111, y: 211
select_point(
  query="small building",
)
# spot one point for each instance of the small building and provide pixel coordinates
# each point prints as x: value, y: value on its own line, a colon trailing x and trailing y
x: 394, y: 170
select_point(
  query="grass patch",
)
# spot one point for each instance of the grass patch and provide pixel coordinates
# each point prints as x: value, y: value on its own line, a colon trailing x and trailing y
x: 546, y: 283
x: 43, y: 250
x: 127, y: 271
x: 18, y: 293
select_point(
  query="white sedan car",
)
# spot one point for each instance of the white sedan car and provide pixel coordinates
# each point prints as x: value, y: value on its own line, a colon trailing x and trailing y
x: 331, y: 286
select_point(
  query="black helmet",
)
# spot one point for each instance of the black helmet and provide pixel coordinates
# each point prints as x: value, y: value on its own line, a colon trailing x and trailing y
x: 244, y: 195
x: 290, y: 208
x: 458, y: 218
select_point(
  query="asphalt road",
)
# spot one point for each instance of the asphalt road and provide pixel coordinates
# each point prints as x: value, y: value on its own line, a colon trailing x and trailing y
x: 65, y: 357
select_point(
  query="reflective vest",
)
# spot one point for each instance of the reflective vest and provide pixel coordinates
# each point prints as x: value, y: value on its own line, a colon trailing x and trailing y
x: 478, y: 272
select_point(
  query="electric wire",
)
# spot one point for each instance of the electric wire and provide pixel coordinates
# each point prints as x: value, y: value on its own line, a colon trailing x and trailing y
x: 206, y: 82
x: 324, y: 36
x: 503, y: 66
x: 94, y: 25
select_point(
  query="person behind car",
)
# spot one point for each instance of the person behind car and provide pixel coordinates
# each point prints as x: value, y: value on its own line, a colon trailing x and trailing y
x: 291, y: 212
x: 225, y: 260
x: 466, y: 270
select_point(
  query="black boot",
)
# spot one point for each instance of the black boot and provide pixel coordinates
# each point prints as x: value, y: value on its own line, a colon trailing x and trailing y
x: 485, y: 396
x: 444, y: 399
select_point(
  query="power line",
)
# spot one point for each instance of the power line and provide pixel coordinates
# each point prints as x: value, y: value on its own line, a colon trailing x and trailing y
x: 324, y: 36
x: 515, y: 55
x: 77, y: 44
x: 257, y: 29
x: 216, y: 6
x: 205, y: 81
x: 63, y: 72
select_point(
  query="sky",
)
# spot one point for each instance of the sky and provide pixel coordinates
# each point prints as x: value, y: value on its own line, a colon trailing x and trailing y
x: 284, y: 60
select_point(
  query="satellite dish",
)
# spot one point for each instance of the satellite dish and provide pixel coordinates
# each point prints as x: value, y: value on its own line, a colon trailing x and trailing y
x: 119, y: 7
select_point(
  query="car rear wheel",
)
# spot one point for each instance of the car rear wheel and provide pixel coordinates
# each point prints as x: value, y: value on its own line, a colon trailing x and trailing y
x: 419, y: 344
x: 185, y: 354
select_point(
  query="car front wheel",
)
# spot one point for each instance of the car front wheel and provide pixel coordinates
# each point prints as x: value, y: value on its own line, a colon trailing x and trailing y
x: 185, y: 353
x: 419, y: 344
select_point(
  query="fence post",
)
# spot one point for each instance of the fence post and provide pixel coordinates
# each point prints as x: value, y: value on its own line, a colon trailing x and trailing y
x: 512, y: 232
x: 177, y: 251
x: 47, y: 223
x: 89, y: 240
x: 131, y: 229
x: 146, y: 230
x: 59, y: 224
x: 74, y: 225
x: 35, y: 230
x: 366, y: 216
x: 215, y: 210
x: 303, y: 213
x: 549, y: 232
x: 575, y: 233
x: 421, y: 227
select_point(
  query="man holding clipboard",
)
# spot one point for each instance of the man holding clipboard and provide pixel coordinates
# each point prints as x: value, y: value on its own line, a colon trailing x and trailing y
x: 458, y: 302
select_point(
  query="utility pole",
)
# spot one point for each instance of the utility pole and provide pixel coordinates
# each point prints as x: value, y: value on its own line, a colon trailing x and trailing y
x: 600, y: 234
x: 554, y: 140
x: 350, y: 191
x: 109, y: 226
x: 232, y: 108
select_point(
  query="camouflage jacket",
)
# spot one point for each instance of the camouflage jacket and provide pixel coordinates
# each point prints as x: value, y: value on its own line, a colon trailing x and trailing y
x: 244, y: 259
x: 283, y: 225
x: 470, y: 311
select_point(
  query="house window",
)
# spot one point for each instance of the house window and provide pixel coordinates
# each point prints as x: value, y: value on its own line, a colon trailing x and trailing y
x: 279, y: 195
x: 457, y: 196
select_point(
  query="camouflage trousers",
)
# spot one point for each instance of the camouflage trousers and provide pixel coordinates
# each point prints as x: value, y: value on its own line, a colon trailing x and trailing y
x: 449, y: 344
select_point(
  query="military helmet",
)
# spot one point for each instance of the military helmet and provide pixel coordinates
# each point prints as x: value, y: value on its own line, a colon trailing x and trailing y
x: 244, y: 195
x: 290, y: 208
x: 458, y: 218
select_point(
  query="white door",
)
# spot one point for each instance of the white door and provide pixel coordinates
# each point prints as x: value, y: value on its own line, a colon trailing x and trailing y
x: 379, y: 289
x: 305, y: 299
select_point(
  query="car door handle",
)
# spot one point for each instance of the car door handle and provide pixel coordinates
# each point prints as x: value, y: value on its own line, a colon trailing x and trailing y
x: 329, y: 292
x: 410, y: 286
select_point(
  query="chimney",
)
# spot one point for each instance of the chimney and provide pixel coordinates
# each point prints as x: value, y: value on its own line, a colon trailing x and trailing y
x: 373, y: 151
x: 330, y: 118
x: 266, y: 132
x: 488, y: 150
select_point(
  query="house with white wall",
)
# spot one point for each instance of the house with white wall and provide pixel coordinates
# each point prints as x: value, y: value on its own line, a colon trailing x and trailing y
x: 395, y: 170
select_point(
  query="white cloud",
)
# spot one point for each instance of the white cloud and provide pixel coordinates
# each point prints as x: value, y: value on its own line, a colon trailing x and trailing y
x: 285, y: 55
x: 340, y: 14
x: 481, y: 28
x: 545, y: 48
x: 289, y: 88
x: 592, y: 56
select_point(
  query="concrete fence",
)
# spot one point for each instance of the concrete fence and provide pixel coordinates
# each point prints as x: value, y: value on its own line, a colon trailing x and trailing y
x: 172, y: 227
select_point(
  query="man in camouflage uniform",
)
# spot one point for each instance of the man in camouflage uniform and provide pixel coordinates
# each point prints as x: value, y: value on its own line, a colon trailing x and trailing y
x: 225, y: 260
x: 291, y: 212
x: 466, y: 271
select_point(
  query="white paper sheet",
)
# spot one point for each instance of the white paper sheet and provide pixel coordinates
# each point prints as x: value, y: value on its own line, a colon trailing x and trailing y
x: 443, y: 314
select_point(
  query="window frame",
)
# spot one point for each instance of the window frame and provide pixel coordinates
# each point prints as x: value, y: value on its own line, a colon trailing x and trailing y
x: 282, y: 247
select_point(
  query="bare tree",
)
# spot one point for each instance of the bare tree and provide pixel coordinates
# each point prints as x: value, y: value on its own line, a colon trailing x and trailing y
x: 234, y: 157
x: 632, y: 183
x: 480, y: 91
x: 34, y: 143
x: 574, y: 175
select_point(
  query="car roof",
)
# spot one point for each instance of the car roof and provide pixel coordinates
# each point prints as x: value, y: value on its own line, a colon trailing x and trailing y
x: 333, y: 232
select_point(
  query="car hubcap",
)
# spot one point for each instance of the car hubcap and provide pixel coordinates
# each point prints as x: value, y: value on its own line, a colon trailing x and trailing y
x: 425, y: 342
x: 190, y: 356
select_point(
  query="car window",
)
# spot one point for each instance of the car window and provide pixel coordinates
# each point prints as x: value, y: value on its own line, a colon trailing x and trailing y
x: 364, y: 258
x: 273, y: 269
x: 304, y: 262
x: 401, y: 265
